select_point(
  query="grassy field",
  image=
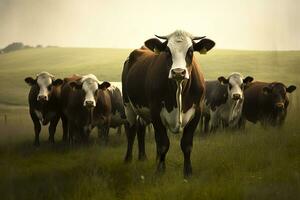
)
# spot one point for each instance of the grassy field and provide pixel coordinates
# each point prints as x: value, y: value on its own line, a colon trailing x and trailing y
x: 255, y: 164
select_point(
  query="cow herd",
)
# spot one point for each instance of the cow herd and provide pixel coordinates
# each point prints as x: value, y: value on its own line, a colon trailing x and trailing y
x: 162, y: 85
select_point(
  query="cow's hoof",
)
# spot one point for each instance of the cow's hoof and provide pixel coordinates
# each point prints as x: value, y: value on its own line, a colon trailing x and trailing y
x: 127, y: 159
x: 36, y: 144
x: 187, y: 173
x: 161, y: 168
x: 142, y: 157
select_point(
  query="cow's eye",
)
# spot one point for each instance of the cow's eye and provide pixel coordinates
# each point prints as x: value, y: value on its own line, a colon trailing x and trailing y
x: 230, y: 86
x: 49, y: 87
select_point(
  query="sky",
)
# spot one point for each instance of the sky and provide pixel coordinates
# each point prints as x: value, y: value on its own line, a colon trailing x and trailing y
x: 232, y: 24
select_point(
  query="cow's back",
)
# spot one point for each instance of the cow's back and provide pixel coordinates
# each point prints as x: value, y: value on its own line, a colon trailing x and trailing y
x: 216, y: 94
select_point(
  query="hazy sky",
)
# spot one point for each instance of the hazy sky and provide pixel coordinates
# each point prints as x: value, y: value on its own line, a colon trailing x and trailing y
x: 234, y: 24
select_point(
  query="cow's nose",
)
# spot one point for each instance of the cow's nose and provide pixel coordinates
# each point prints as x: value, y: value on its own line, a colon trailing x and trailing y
x: 42, y: 98
x: 89, y: 104
x: 236, y: 96
x: 280, y: 105
x: 178, y: 73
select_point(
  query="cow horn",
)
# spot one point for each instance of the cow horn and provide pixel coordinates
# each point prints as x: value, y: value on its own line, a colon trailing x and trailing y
x: 162, y: 37
x: 198, y: 38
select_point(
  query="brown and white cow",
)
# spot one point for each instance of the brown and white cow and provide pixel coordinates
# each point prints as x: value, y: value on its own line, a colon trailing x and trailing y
x: 44, y: 103
x: 163, y: 85
x: 86, y: 103
x: 266, y: 103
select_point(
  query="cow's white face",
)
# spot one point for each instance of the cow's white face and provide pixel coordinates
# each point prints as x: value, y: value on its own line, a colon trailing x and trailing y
x: 90, y: 87
x: 180, y: 47
x: 235, y: 87
x: 44, y: 81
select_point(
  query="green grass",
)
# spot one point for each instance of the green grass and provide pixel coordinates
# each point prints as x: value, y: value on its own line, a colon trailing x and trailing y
x: 255, y: 164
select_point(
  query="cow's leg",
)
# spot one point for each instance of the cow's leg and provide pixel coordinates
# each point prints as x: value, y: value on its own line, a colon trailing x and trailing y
x: 119, y: 130
x: 141, y: 129
x: 72, y: 132
x: 52, y: 128
x: 37, y: 128
x: 104, y: 131
x: 214, y: 121
x: 187, y: 144
x: 64, y: 121
x: 162, y: 144
x: 130, y: 134
x: 130, y: 130
x: 206, y: 123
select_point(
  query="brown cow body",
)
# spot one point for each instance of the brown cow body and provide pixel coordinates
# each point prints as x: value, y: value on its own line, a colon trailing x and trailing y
x: 81, y: 119
x: 266, y: 103
x: 167, y: 99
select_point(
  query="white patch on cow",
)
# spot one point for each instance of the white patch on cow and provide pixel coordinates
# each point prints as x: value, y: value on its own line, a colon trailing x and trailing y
x: 188, y: 116
x: 39, y: 115
x: 144, y: 113
x: 170, y: 119
x: 89, y: 85
x: 130, y: 114
x: 115, y: 85
x: 176, y: 119
x: 179, y: 42
x: 44, y: 79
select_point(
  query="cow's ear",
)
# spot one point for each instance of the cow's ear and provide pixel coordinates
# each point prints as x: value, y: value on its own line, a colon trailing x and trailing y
x: 248, y: 79
x: 57, y: 82
x: 267, y: 90
x: 156, y: 45
x: 223, y: 80
x: 75, y: 84
x: 203, y: 46
x: 30, y: 81
x: 103, y: 85
x: 291, y: 88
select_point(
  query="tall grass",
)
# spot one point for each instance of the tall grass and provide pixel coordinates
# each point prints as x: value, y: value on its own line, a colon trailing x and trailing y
x: 255, y: 164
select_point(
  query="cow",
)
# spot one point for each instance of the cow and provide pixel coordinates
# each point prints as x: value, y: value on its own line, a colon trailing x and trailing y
x: 266, y: 103
x: 44, y: 103
x: 162, y: 84
x: 86, y: 104
x: 118, y: 117
x: 224, y: 101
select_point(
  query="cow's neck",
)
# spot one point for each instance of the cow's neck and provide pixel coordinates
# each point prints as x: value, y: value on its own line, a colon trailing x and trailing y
x: 235, y: 109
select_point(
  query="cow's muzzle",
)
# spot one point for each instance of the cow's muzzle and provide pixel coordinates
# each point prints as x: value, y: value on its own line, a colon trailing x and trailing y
x: 279, y: 105
x: 89, y: 104
x: 178, y: 74
x: 236, y: 97
x: 42, y: 98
